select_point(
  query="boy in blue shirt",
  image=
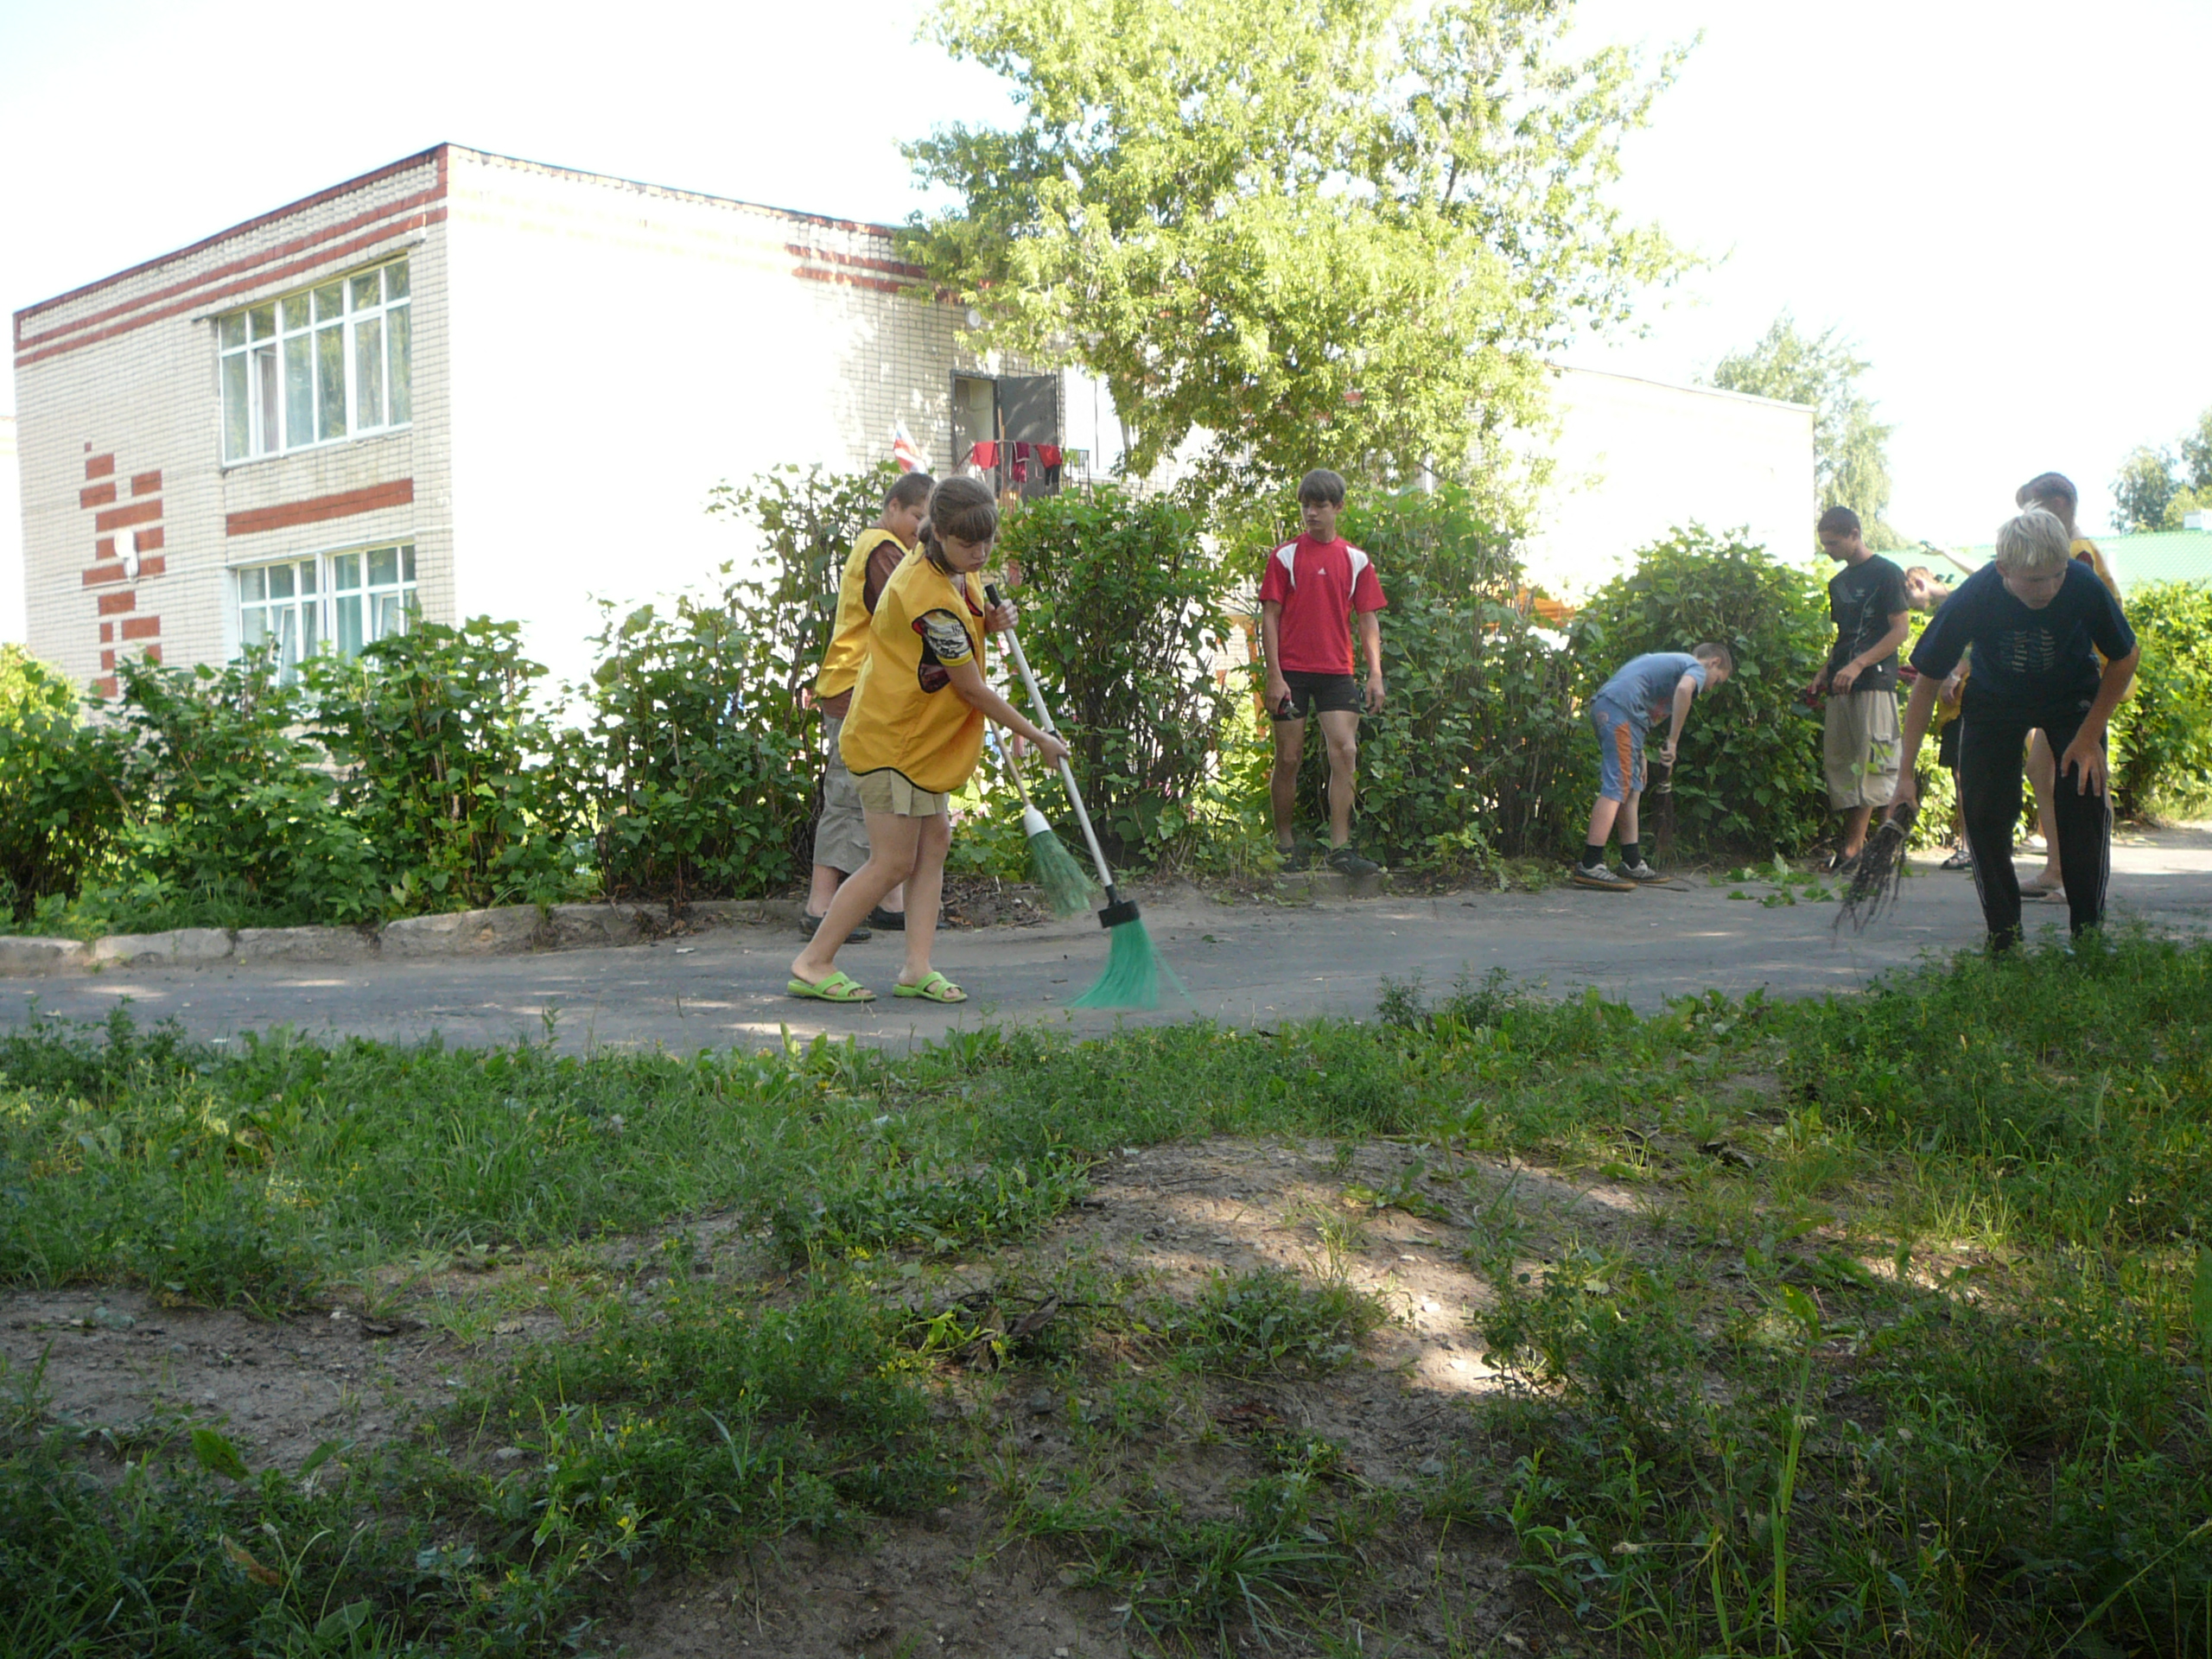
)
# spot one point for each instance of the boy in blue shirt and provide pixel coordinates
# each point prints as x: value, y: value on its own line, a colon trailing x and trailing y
x: 1655, y: 683
x: 2037, y: 619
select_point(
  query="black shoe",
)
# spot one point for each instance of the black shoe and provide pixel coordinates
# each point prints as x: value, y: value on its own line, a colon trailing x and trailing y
x: 810, y: 925
x: 1598, y: 879
x: 887, y: 921
x: 1841, y: 866
x: 1344, y: 861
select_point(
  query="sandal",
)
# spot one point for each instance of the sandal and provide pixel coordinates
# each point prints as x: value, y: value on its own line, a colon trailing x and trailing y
x: 1961, y: 860
x: 936, y: 988
x: 838, y: 986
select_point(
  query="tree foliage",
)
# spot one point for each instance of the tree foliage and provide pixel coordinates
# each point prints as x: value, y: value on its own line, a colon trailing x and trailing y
x: 1305, y: 232
x: 2155, y: 489
x: 1851, y: 461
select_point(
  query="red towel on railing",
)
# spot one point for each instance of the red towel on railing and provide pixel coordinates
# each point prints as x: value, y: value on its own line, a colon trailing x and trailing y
x: 1021, y: 474
x: 985, y: 454
x: 1048, y: 455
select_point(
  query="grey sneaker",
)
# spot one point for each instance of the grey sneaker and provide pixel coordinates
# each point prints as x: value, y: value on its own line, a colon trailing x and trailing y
x: 1641, y: 870
x: 1344, y: 861
x: 1599, y: 878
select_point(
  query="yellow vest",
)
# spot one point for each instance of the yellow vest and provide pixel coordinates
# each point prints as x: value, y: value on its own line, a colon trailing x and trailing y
x: 905, y: 716
x: 2093, y: 555
x: 848, y: 649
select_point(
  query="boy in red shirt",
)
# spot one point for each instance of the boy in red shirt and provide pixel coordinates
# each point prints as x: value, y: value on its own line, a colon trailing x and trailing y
x: 1315, y: 588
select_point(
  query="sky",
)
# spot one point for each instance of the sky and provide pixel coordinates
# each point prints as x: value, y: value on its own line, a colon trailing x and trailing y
x: 1995, y: 199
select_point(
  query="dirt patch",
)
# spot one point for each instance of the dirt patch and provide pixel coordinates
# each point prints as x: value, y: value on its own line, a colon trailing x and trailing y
x: 116, y: 1361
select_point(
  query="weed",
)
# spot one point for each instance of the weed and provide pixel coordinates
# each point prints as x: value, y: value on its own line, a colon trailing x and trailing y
x: 1270, y: 1322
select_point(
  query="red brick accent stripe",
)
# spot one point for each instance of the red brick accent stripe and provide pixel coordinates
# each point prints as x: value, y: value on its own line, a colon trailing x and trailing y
x: 825, y: 256
x: 105, y: 688
x: 98, y: 466
x: 95, y: 495
x: 148, y: 540
x: 437, y: 153
x: 875, y: 283
x: 344, y: 505
x: 100, y: 575
x: 141, y: 628
x: 154, y: 652
x: 107, y: 659
x: 138, y: 513
x: 194, y: 302
x: 107, y: 633
x: 114, y: 604
x: 146, y: 483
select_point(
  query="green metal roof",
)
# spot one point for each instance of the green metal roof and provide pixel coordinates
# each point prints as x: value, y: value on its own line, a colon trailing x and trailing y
x: 2160, y: 556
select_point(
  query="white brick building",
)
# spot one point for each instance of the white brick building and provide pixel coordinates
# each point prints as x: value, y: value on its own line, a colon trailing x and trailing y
x: 459, y: 385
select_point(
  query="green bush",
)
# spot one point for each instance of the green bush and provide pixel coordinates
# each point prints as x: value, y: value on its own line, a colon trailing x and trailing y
x: 233, y: 819
x: 1122, y: 620
x: 61, y: 804
x: 2162, y: 734
x: 451, y: 771
x: 1749, y: 775
x: 1475, y: 750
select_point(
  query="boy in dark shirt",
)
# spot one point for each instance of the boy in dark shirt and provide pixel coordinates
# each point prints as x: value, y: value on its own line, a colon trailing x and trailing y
x: 1871, y: 613
x: 2036, y: 620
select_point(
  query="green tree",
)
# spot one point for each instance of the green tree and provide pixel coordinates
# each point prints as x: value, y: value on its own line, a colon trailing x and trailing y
x: 1851, y: 460
x: 2143, y: 489
x: 1308, y: 230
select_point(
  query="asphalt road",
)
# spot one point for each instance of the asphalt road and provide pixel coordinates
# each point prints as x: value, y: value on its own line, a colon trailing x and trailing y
x: 1243, y: 962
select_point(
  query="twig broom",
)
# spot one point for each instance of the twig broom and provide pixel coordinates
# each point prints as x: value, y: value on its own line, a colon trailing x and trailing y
x: 1134, y: 969
x: 1879, y: 881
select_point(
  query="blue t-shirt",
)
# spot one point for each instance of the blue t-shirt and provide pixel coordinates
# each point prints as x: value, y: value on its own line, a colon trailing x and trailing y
x: 2026, y: 662
x: 1649, y: 683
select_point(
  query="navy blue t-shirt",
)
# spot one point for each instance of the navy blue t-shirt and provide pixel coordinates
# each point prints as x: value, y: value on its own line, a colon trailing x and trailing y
x: 2026, y: 662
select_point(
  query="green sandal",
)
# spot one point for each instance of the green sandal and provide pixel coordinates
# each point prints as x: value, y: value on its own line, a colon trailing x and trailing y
x: 936, y: 988
x: 839, y: 987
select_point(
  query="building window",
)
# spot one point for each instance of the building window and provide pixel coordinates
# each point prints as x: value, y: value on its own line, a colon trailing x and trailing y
x: 278, y: 606
x: 340, y: 601
x: 326, y: 363
x: 372, y: 595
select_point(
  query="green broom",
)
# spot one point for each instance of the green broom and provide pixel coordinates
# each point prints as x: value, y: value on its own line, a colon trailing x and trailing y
x: 1068, y: 890
x: 1133, y: 966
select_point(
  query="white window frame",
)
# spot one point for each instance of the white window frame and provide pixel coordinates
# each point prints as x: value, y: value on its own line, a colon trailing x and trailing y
x: 397, y: 599
x: 260, y: 348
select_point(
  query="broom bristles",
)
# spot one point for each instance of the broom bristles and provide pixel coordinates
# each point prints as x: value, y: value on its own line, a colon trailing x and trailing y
x: 1133, y: 973
x: 1879, y: 881
x: 1067, y: 887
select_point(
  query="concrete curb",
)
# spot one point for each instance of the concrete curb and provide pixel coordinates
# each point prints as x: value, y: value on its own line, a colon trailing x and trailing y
x: 507, y: 931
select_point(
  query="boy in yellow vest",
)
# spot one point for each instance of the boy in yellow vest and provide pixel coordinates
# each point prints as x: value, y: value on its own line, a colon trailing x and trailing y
x: 912, y: 735
x: 841, y: 834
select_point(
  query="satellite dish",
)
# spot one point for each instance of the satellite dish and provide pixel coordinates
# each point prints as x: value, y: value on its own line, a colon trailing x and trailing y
x: 126, y: 543
x: 975, y: 318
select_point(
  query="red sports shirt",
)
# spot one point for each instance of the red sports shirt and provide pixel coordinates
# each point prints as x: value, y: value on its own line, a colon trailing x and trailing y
x: 1319, y: 585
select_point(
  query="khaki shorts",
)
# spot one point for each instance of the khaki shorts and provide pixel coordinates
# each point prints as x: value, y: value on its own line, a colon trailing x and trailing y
x: 841, y: 833
x: 889, y: 791
x: 1859, y: 755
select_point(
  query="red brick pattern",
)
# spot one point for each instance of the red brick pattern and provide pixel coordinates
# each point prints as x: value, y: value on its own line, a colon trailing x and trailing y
x: 146, y: 483
x: 110, y: 604
x: 138, y: 513
x: 95, y: 495
x: 140, y: 627
x: 104, y: 687
x: 100, y: 467
x: 344, y: 505
x: 107, y: 633
x: 114, y: 541
x: 148, y: 541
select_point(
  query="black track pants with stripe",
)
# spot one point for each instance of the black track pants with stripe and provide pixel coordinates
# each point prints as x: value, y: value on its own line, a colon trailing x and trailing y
x: 1992, y: 754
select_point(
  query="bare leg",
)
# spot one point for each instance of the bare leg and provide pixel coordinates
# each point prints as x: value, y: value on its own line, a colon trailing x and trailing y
x: 1601, y: 821
x: 1340, y: 728
x: 1283, y: 781
x: 1854, y: 829
x: 894, y: 842
x: 823, y: 888
x: 925, y: 893
x: 1627, y: 815
x: 2043, y: 768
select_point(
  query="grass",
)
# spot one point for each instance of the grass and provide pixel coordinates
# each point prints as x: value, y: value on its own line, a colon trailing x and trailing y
x: 1912, y: 1354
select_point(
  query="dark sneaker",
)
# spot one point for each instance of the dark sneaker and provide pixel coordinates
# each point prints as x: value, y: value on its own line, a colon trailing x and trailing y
x: 1296, y: 856
x: 1599, y: 878
x: 887, y: 921
x: 1641, y: 870
x: 1961, y: 860
x: 1344, y: 861
x: 810, y: 925
x: 1841, y: 865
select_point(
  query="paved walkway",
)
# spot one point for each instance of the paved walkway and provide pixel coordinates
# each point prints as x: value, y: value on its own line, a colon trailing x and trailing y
x: 1244, y: 962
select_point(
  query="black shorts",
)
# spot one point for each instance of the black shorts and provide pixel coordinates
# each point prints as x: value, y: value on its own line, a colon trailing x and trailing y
x: 1319, y: 694
x: 1947, y: 747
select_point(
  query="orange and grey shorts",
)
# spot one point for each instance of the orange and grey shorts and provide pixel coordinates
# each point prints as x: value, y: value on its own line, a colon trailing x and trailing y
x: 1620, y: 752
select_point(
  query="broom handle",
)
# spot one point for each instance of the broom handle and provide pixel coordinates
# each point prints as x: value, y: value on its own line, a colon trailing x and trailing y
x: 1045, y: 720
x: 1006, y: 759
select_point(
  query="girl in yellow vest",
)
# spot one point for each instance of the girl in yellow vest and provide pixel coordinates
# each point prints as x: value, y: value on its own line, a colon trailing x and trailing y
x: 2054, y: 493
x: 912, y: 736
